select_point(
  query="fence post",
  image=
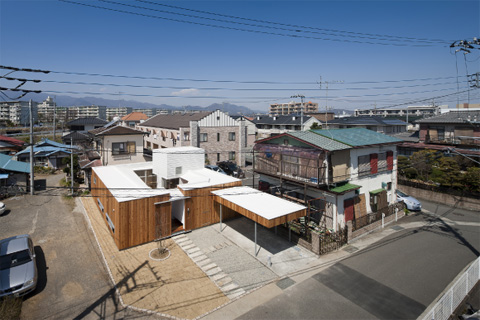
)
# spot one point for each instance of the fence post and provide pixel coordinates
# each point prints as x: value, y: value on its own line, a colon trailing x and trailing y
x: 383, y: 220
x: 396, y: 214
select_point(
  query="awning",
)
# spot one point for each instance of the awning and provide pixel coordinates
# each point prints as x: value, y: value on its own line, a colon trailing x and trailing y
x: 261, y: 207
x: 376, y: 191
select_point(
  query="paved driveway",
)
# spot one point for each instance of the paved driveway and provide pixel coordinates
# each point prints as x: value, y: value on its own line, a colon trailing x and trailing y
x: 72, y: 280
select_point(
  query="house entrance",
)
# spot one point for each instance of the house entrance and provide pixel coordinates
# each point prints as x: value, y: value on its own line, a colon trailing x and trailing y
x: 169, y: 218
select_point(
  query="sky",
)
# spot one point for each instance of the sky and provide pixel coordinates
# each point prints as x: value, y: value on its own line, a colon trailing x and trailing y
x: 340, y: 54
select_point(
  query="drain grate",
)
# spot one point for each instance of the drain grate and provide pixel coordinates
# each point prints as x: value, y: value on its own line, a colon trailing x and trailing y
x: 285, y: 283
x: 351, y: 249
x: 398, y: 228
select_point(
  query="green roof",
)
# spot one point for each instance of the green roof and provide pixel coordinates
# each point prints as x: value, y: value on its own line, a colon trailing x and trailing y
x: 377, y: 191
x: 319, y: 140
x: 345, y: 187
x: 356, y: 137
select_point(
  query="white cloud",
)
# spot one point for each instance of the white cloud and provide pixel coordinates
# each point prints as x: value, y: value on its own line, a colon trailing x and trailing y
x: 186, y: 92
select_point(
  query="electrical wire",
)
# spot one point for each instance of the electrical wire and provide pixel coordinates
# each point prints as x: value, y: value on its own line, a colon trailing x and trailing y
x: 298, y: 26
x: 242, y: 29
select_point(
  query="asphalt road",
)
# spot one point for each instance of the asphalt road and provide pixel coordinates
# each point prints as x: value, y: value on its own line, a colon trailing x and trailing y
x: 72, y: 281
x: 398, y: 277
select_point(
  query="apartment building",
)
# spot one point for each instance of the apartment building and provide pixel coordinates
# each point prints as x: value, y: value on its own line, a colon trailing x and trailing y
x: 117, y: 112
x: 293, y: 107
x: 423, y: 111
x: 18, y: 112
x: 222, y: 137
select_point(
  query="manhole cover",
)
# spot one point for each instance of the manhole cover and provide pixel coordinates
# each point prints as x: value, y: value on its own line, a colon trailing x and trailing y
x: 351, y: 249
x: 159, y: 255
x: 398, y: 228
x: 285, y: 283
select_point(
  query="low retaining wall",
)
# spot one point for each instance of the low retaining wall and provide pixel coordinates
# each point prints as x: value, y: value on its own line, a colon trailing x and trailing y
x: 375, y: 225
x: 444, y: 198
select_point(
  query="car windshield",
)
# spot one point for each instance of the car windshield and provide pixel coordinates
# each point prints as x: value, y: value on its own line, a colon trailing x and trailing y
x: 401, y: 194
x: 232, y: 166
x: 14, y: 259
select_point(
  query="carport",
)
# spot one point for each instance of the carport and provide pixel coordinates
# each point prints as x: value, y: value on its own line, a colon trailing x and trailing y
x: 263, y: 208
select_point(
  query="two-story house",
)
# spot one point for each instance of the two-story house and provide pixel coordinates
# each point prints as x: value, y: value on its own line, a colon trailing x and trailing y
x: 118, y: 144
x: 272, y: 125
x: 459, y: 127
x: 133, y: 118
x: 221, y: 136
x: 351, y: 171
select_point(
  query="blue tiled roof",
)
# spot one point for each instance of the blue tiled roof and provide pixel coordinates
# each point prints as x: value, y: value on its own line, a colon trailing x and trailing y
x: 7, y: 163
x: 44, y: 151
x: 357, y: 137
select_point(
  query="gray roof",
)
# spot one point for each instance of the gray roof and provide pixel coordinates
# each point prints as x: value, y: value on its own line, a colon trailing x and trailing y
x: 357, y: 137
x: 454, y: 117
x: 293, y: 119
x: 319, y: 140
x: 367, y: 120
x: 173, y: 121
x: 86, y: 121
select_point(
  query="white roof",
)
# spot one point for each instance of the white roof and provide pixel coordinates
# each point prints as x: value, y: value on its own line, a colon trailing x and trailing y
x: 124, y: 183
x: 263, y: 204
x: 179, y: 150
x: 203, y: 178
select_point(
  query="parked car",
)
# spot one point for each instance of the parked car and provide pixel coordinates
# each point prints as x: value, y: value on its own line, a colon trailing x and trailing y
x: 18, y: 267
x: 215, y: 168
x: 411, y: 203
x: 2, y: 208
x: 231, y: 169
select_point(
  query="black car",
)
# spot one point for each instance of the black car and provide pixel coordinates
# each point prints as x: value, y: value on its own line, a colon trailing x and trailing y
x: 231, y: 169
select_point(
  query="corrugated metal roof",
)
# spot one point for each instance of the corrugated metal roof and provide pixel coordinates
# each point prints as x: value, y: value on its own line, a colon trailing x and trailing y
x: 454, y: 117
x: 345, y: 188
x: 319, y: 140
x: 357, y: 137
x: 7, y: 163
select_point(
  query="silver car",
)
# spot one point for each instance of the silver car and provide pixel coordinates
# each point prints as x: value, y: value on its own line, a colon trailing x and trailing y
x: 18, y: 267
x: 411, y: 203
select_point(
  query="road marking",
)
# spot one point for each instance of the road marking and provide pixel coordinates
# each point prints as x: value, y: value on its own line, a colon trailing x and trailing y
x: 34, y: 223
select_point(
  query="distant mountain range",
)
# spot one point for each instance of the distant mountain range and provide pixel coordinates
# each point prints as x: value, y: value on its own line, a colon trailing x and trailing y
x: 229, y: 108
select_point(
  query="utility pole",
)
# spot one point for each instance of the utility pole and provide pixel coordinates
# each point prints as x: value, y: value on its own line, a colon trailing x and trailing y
x: 301, y: 96
x: 31, y: 147
x: 326, y: 95
x: 54, y: 117
x: 71, y: 161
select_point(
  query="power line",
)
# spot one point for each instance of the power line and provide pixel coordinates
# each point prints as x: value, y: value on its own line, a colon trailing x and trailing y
x: 239, y: 29
x: 298, y: 26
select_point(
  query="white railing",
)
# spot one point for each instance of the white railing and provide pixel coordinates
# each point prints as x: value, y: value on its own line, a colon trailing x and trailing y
x: 452, y: 298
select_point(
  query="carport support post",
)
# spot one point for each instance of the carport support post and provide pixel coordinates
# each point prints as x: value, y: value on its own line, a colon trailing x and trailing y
x: 221, y: 217
x: 396, y: 212
x: 255, y: 238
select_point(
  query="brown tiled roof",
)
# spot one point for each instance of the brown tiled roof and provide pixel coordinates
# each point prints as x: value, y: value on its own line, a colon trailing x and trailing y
x: 135, y: 116
x: 117, y: 130
x: 174, y: 121
x: 13, y: 141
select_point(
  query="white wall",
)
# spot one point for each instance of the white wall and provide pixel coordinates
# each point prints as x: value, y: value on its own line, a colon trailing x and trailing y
x: 165, y: 161
x: 110, y: 159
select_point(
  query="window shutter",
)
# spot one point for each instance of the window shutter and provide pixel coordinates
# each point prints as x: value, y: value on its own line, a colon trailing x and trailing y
x: 373, y: 163
x: 390, y: 160
x: 131, y: 147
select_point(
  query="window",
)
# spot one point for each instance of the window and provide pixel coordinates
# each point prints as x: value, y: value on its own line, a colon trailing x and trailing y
x: 231, y: 155
x: 382, y: 162
x: 203, y: 137
x: 178, y: 170
x: 94, y: 180
x: 231, y: 136
x: 218, y: 156
x: 186, y: 136
x: 218, y: 136
x: 123, y: 147
x: 363, y: 165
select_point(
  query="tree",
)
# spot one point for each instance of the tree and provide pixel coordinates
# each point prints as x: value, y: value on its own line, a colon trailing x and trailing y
x: 447, y: 172
x: 76, y: 167
x: 423, y: 161
x: 471, y: 179
x: 315, y: 126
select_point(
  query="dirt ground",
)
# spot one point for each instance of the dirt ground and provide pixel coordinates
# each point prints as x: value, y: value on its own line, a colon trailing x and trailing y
x: 175, y: 286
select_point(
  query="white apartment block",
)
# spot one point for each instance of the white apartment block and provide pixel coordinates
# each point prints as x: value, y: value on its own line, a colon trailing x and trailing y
x: 293, y: 107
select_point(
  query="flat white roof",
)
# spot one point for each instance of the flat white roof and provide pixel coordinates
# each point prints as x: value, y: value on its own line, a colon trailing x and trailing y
x: 179, y: 150
x: 203, y: 178
x: 124, y: 184
x: 263, y: 204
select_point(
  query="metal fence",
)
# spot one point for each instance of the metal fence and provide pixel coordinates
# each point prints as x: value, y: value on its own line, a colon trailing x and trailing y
x: 451, y: 299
